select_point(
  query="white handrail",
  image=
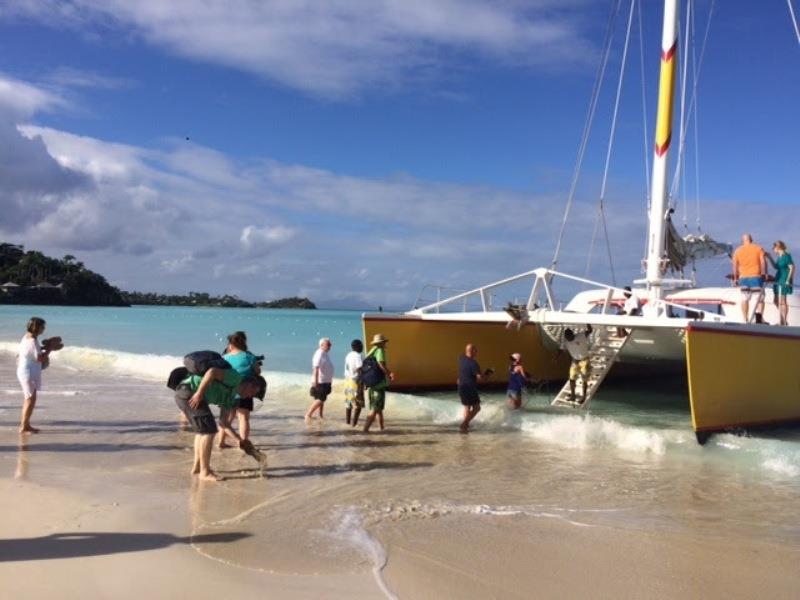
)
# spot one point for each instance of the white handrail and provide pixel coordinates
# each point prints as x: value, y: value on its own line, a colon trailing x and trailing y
x: 542, y: 284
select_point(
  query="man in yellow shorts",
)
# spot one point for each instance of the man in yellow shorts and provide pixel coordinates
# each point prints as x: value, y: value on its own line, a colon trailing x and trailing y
x: 577, y: 344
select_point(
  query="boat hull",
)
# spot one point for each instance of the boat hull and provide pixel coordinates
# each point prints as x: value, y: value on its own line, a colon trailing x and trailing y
x: 423, y: 350
x: 742, y: 376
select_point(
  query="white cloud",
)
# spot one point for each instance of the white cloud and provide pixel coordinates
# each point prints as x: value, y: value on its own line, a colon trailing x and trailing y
x: 179, y: 264
x: 336, y: 49
x: 70, y: 77
x: 260, y: 241
x: 137, y: 214
x: 20, y: 100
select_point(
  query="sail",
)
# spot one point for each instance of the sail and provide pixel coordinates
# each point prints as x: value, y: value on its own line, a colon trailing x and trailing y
x: 691, y: 247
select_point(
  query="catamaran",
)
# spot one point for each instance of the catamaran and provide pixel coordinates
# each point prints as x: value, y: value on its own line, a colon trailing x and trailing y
x: 739, y: 374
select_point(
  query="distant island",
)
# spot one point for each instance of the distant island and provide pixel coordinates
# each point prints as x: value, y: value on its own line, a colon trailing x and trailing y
x: 204, y: 299
x: 33, y: 278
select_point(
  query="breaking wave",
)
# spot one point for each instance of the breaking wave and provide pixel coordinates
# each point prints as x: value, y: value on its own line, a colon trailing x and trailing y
x: 151, y: 367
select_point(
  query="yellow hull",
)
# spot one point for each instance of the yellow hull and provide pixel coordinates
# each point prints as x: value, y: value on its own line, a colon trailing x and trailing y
x: 742, y: 376
x: 423, y: 352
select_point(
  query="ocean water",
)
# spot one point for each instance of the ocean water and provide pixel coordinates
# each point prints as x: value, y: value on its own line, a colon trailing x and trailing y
x: 630, y: 461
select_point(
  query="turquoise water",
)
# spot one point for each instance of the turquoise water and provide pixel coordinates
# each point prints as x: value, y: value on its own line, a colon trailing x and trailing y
x: 148, y: 341
x: 288, y: 338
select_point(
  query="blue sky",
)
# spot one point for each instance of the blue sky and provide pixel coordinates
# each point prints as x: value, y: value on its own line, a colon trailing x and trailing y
x: 355, y: 150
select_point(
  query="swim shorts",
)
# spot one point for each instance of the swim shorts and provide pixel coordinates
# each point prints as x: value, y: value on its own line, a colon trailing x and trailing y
x: 353, y: 393
x: 245, y: 404
x: 751, y: 283
x: 201, y: 419
x: 469, y: 396
x: 579, y: 367
x: 514, y: 394
x: 377, y: 399
x: 321, y: 391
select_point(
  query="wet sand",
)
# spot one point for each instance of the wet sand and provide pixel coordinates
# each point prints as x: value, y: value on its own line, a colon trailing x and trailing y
x: 100, y: 504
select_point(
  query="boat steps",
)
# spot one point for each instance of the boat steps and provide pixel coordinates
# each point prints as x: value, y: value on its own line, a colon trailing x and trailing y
x: 603, y: 354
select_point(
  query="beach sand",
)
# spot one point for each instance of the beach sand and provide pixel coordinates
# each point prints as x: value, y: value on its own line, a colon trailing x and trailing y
x: 100, y: 504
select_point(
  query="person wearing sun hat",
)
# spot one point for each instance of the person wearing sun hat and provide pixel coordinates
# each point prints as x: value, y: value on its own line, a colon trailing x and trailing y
x: 377, y: 393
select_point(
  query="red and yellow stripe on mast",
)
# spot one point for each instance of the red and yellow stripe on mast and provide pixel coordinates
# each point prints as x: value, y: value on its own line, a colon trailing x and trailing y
x: 666, y: 90
x: 658, y: 190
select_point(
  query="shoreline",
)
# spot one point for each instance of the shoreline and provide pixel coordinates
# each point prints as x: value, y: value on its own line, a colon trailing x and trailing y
x: 329, y: 520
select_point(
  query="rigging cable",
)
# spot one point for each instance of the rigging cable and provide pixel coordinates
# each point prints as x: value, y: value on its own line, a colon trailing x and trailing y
x: 615, y: 5
x: 680, y: 162
x: 696, y: 129
x: 682, y: 137
x: 645, y: 127
x: 601, y: 212
x: 794, y: 20
x: 688, y: 43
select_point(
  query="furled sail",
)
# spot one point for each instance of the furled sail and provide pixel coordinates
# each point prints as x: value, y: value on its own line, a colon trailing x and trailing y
x: 689, y: 248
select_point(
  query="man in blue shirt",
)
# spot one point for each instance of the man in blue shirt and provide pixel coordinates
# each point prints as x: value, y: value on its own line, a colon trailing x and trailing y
x: 469, y: 375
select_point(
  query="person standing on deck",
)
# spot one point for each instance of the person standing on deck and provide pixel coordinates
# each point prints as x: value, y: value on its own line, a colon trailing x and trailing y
x: 377, y: 393
x: 321, y: 378
x: 784, y: 279
x: 749, y: 273
x: 469, y: 375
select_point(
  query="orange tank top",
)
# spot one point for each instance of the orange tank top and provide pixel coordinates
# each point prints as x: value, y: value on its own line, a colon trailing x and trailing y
x: 748, y: 258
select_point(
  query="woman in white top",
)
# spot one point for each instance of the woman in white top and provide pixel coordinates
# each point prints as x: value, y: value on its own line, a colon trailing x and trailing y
x: 30, y: 359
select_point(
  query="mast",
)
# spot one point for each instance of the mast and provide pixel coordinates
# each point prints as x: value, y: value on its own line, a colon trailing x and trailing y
x: 658, y: 190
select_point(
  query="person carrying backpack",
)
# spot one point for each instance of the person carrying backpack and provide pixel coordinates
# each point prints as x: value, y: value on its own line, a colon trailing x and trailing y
x: 194, y: 394
x: 377, y: 389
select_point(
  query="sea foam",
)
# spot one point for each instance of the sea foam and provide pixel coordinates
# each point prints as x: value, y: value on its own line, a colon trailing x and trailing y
x: 349, y: 528
x: 586, y: 431
x: 151, y: 367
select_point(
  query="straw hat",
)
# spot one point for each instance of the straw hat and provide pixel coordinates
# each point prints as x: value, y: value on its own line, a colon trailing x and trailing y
x: 378, y: 339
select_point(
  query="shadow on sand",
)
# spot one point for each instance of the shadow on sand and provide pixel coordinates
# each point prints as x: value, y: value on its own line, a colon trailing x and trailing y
x: 33, y: 446
x: 308, y: 471
x: 73, y: 545
x: 357, y: 443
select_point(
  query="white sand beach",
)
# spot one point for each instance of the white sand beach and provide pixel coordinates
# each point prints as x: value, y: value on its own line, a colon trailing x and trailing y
x: 100, y: 504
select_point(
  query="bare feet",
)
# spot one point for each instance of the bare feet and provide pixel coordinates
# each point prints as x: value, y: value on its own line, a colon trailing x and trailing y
x: 464, y: 428
x: 223, y: 445
x: 210, y: 476
x: 195, y: 469
x: 28, y: 430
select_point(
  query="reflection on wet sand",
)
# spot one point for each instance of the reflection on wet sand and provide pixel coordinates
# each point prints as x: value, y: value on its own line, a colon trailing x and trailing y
x: 21, y: 471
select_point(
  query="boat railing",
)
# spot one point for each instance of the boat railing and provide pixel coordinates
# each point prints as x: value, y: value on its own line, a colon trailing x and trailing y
x: 434, y: 293
x: 483, y: 294
x: 541, y: 296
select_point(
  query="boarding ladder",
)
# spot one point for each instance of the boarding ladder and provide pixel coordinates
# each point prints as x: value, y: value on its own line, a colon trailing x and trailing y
x: 603, y: 352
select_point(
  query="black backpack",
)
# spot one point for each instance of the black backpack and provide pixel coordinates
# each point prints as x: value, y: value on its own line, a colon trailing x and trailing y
x: 176, y: 376
x: 196, y: 363
x: 371, y: 372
